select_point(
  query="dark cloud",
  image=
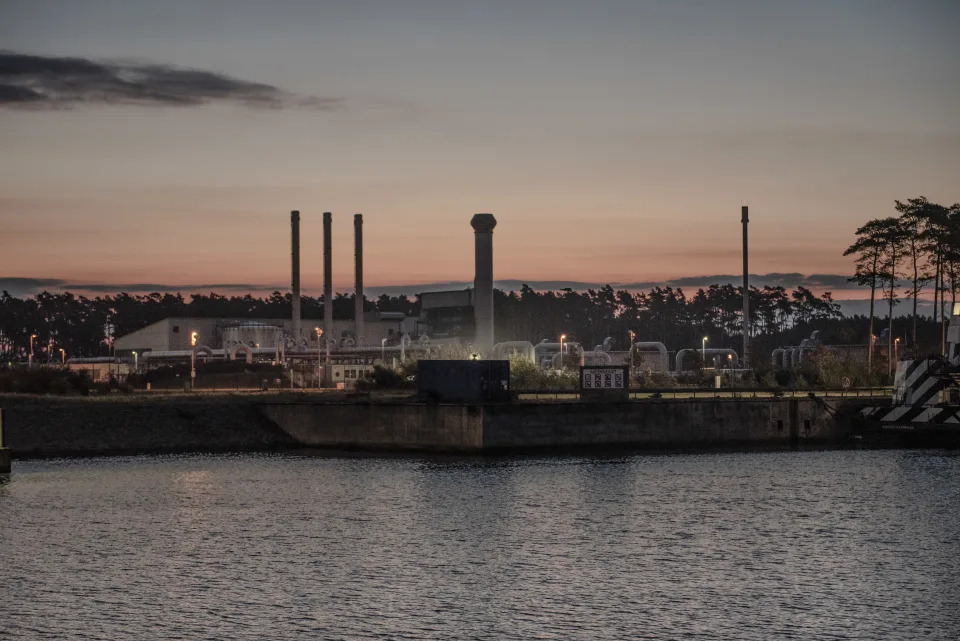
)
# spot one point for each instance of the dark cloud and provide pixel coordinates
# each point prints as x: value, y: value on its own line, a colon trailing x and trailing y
x: 31, y: 286
x: 42, y: 82
x: 27, y: 286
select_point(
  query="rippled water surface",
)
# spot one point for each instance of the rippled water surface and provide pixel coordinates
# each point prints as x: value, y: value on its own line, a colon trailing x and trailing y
x: 813, y: 545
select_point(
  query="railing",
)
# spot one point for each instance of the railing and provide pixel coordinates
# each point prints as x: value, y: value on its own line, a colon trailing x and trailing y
x: 710, y: 392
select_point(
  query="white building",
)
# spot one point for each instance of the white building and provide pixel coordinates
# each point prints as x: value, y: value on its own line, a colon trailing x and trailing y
x: 178, y: 333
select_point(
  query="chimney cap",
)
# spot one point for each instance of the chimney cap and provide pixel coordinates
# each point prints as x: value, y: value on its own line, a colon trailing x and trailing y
x: 483, y: 223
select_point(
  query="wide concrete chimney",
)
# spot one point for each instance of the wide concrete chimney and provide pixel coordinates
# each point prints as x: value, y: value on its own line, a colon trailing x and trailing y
x: 295, y: 270
x: 358, y: 287
x: 483, y: 225
x: 327, y: 276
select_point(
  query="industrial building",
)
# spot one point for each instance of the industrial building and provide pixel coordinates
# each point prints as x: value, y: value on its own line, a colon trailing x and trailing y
x: 264, y: 335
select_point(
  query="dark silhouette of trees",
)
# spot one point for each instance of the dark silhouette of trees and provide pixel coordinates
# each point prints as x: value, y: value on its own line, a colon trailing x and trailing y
x: 893, y: 236
x: 926, y: 236
x: 868, y: 248
x: 913, y: 222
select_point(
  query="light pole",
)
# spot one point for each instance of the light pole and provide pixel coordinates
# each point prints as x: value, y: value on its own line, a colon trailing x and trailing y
x: 136, y: 362
x: 30, y: 355
x: 896, y: 351
x: 873, y: 339
x: 319, y: 334
x: 63, y: 356
x: 703, y: 351
x: 383, y: 352
x: 562, y: 338
x: 193, y: 359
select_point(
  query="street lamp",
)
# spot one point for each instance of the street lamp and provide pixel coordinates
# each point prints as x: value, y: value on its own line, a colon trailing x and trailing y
x: 30, y: 355
x: 873, y: 339
x: 136, y: 361
x: 703, y: 351
x: 193, y: 359
x: 319, y: 334
x: 63, y: 356
x: 896, y: 344
x: 729, y: 361
x: 383, y: 352
x: 562, y: 338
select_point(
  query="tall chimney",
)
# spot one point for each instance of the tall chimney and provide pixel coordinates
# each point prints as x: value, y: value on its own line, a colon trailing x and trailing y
x: 744, y: 218
x: 483, y: 225
x: 358, y: 287
x: 295, y: 270
x: 327, y: 276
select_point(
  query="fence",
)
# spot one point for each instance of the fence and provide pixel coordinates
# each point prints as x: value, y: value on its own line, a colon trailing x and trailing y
x: 710, y: 392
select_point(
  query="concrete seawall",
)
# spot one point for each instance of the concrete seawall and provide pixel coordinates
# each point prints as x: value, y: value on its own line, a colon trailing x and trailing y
x: 698, y: 423
x: 380, y: 426
x: 64, y: 426
x: 52, y: 426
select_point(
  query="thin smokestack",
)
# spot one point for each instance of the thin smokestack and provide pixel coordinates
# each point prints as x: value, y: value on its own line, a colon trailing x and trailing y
x: 745, y: 219
x: 358, y: 287
x: 483, y: 225
x: 327, y: 276
x: 295, y: 269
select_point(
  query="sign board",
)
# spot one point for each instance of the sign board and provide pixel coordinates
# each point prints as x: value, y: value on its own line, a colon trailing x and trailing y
x: 604, y: 382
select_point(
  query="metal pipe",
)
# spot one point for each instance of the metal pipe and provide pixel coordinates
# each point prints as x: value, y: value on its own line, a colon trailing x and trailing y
x: 705, y: 351
x: 745, y: 219
x: 775, y: 357
x: 295, y: 271
x: 521, y: 349
x: 358, y: 283
x: 327, y: 288
x: 660, y: 347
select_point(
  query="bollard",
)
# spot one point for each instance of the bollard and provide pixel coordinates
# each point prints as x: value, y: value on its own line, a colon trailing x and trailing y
x: 5, y: 454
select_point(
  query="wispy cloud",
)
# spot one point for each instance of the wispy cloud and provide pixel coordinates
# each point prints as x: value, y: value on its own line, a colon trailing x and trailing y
x: 18, y: 286
x: 44, y: 82
x: 29, y: 286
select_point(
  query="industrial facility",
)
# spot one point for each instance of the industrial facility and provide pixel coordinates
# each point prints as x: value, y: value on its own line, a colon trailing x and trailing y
x: 338, y: 352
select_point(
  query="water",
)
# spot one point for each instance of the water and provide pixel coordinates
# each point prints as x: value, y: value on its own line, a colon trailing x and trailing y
x: 815, y: 545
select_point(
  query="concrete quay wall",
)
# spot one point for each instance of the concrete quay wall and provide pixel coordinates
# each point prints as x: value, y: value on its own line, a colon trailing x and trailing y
x: 65, y: 426
x: 381, y: 426
x: 56, y: 426
x: 694, y: 423
x: 698, y: 423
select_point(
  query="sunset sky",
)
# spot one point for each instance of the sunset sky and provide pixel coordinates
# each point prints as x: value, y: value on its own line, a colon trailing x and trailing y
x: 614, y: 141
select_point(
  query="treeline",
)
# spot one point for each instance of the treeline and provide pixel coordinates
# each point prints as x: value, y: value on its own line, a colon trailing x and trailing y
x: 919, y: 246
x: 84, y: 326
x: 663, y: 314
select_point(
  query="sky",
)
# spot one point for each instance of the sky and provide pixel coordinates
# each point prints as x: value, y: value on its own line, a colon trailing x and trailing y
x: 165, y: 143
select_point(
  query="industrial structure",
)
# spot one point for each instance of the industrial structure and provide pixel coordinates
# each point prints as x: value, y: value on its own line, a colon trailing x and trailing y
x: 463, y: 316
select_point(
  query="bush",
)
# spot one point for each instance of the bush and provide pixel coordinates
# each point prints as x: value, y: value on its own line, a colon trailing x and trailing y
x: 45, y: 380
x: 655, y: 380
x: 383, y: 378
x: 525, y: 375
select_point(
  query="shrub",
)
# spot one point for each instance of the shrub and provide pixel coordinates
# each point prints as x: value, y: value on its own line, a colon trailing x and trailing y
x: 44, y: 380
x: 382, y: 378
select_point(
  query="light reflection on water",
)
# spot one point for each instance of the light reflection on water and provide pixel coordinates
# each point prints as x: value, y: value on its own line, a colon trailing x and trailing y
x: 813, y: 545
